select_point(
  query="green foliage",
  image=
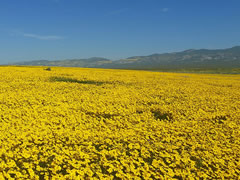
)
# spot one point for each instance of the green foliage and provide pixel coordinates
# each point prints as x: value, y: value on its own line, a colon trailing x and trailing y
x: 72, y: 80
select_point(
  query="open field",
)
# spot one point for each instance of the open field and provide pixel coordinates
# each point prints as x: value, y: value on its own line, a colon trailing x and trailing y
x: 76, y: 123
x: 202, y: 70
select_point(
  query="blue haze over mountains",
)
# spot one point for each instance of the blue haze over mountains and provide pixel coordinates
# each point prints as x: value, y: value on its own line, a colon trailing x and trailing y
x: 202, y: 58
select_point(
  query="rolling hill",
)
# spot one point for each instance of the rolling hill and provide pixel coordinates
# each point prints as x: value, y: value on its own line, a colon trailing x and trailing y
x: 201, y: 58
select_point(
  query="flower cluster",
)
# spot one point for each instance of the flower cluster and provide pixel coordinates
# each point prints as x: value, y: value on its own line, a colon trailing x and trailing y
x: 79, y: 123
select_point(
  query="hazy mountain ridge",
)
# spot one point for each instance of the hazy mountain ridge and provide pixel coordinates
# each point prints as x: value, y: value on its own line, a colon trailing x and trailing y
x: 91, y: 62
x: 201, y: 58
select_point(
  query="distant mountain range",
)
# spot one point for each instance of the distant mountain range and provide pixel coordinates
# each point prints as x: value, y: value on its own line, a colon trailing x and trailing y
x: 202, y: 58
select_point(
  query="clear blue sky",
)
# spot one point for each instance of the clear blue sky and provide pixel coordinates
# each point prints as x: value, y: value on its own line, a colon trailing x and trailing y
x: 115, y: 29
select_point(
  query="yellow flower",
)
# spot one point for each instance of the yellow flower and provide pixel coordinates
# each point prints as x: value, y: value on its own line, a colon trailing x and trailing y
x: 79, y: 123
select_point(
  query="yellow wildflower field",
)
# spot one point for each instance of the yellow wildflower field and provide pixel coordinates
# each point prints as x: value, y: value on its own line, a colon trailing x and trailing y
x: 79, y: 123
